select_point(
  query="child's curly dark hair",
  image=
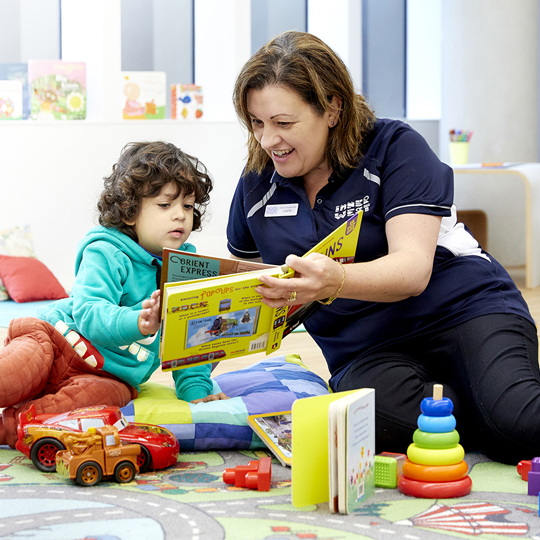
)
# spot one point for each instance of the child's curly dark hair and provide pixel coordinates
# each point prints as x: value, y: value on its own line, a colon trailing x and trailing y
x: 142, y: 170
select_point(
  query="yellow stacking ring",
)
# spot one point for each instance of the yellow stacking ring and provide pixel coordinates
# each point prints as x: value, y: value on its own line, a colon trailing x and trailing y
x: 435, y: 473
x: 437, y: 441
x: 445, y: 456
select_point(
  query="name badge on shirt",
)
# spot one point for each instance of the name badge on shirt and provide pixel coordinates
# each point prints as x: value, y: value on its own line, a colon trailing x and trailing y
x: 280, y: 210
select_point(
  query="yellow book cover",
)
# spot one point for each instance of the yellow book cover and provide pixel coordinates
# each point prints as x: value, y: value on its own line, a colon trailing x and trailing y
x: 218, y: 318
x: 339, y: 245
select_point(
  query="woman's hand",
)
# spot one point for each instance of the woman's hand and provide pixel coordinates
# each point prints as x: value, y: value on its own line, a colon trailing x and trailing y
x: 149, y: 315
x: 211, y: 397
x: 404, y: 272
x: 317, y: 277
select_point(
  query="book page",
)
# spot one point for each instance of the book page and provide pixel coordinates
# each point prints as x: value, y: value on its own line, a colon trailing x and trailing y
x: 359, y: 474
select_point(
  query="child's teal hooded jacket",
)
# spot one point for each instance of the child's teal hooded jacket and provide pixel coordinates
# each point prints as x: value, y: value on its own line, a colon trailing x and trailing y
x: 113, y: 275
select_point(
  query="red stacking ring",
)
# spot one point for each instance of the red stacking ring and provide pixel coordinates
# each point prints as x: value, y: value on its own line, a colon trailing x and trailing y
x: 435, y: 490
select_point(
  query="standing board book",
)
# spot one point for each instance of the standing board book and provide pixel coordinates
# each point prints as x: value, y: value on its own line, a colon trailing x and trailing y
x: 275, y: 430
x: 312, y: 448
x: 144, y: 95
x: 11, y: 100
x: 17, y: 71
x: 186, y: 102
x: 57, y: 90
x: 218, y: 318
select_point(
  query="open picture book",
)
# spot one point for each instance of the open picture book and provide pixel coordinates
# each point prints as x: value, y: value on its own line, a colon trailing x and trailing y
x: 275, y: 430
x: 211, y: 311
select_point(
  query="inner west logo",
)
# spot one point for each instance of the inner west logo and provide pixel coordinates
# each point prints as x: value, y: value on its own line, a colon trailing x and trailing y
x: 352, y: 208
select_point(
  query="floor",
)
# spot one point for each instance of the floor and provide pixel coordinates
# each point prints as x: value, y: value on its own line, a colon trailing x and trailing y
x: 302, y: 344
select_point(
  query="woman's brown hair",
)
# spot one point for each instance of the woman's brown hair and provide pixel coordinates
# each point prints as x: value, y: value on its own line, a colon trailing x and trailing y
x: 306, y: 65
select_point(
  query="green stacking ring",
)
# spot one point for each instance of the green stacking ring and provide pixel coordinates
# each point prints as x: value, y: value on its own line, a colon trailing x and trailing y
x: 423, y: 439
x: 447, y: 456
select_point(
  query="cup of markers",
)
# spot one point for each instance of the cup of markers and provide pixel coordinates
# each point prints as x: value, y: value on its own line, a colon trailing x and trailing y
x: 459, y: 146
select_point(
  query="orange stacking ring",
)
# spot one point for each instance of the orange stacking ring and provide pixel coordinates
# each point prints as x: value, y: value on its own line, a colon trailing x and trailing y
x: 445, y: 456
x: 435, y: 473
x: 435, y: 490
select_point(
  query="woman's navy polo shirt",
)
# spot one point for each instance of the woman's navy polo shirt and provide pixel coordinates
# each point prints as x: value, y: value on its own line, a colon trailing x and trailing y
x: 271, y: 217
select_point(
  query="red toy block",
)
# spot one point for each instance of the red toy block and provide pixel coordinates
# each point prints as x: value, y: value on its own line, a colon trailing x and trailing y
x: 237, y: 476
x: 255, y: 475
x: 523, y: 469
x: 260, y: 480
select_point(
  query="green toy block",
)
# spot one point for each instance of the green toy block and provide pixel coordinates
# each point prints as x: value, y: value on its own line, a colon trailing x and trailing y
x: 388, y: 468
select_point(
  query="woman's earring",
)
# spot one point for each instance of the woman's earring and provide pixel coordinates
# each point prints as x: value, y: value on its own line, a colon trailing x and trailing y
x: 332, y: 124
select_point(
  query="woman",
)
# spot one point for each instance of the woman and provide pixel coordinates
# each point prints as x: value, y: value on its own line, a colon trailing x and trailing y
x: 422, y: 303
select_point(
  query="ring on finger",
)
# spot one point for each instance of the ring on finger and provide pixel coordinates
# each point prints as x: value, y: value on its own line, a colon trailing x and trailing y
x: 292, y: 297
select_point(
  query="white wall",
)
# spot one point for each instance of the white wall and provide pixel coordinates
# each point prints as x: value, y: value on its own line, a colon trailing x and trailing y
x: 490, y: 77
x: 490, y: 85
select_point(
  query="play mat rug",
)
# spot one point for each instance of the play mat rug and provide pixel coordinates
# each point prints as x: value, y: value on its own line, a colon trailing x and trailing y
x: 190, y: 501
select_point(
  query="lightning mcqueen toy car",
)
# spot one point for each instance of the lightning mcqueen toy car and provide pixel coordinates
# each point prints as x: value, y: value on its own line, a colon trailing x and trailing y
x: 39, y: 436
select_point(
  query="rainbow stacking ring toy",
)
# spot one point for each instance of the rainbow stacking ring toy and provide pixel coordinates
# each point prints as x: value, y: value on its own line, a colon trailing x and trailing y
x: 435, y: 468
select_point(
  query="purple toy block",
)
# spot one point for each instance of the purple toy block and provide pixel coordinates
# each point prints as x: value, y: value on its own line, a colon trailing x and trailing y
x: 533, y: 482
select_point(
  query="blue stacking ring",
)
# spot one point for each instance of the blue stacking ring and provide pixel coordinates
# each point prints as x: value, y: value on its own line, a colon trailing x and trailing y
x: 437, y: 407
x: 436, y: 424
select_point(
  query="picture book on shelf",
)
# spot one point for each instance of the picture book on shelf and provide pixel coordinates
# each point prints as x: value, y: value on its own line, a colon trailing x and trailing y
x: 57, y: 90
x: 16, y: 71
x: 219, y: 316
x: 275, y: 430
x: 11, y: 100
x: 144, y: 95
x: 186, y: 102
x: 334, y: 436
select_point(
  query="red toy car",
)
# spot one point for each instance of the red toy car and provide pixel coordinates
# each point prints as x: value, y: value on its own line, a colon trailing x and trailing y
x: 39, y: 436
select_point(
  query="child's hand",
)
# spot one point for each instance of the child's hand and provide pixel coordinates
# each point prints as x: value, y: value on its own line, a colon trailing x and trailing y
x: 149, y: 315
x: 211, y: 397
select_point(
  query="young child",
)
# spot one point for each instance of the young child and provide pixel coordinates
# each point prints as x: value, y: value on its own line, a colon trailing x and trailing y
x: 98, y: 345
